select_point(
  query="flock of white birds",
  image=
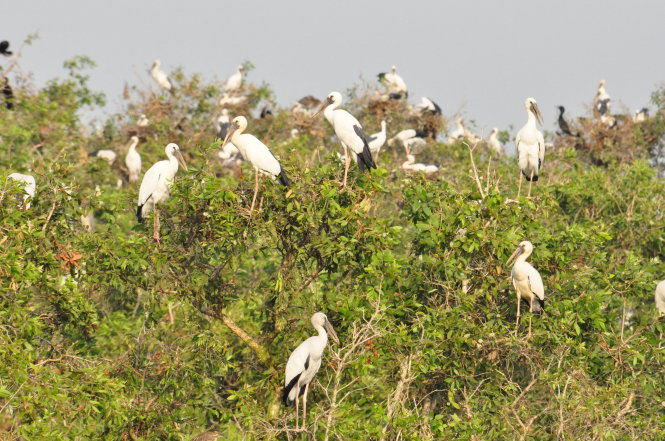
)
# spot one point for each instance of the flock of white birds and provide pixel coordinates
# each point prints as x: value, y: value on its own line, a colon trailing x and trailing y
x: 238, y: 145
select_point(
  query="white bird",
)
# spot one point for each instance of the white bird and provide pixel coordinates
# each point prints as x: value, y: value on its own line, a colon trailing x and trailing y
x: 142, y: 121
x: 235, y: 81
x: 411, y: 139
x: 394, y: 83
x: 660, y: 298
x: 228, y: 100
x: 133, y: 160
x: 157, y: 183
x: 295, y: 133
x: 160, y: 76
x: 350, y: 133
x: 257, y: 153
x: 305, y: 362
x: 641, y: 115
x: 602, y: 101
x: 526, y: 280
x: 105, y: 154
x: 29, y: 186
x: 411, y: 165
x: 530, y: 145
x: 376, y: 140
x: 458, y: 133
x: 494, y: 144
x: 428, y: 106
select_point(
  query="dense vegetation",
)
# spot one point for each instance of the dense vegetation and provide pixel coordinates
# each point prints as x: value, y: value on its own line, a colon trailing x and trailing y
x: 106, y: 335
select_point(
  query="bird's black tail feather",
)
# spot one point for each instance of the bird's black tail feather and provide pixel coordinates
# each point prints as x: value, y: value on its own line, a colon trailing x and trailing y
x: 287, y: 390
x: 283, y: 179
x: 139, y: 215
x: 528, y: 177
x: 365, y: 160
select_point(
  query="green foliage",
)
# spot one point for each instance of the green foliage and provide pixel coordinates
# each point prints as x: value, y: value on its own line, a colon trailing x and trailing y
x: 105, y: 334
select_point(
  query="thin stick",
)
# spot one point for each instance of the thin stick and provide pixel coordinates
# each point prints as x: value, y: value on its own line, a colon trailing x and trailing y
x: 475, y: 170
x: 50, y: 214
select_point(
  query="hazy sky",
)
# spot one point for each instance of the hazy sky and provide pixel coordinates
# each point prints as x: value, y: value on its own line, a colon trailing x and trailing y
x: 482, y: 58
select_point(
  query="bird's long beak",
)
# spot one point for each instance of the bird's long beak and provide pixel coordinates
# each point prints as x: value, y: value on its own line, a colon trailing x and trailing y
x: 331, y: 332
x: 232, y: 129
x: 181, y: 160
x: 536, y: 111
x: 323, y: 105
x: 514, y: 256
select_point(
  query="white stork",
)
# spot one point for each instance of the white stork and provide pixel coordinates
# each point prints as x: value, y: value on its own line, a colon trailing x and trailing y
x: 602, y: 101
x: 350, y: 133
x: 530, y: 145
x: 394, y: 83
x: 428, y: 106
x: 641, y: 115
x: 235, y: 81
x: 411, y: 165
x: 229, y: 152
x: 228, y: 100
x: 411, y: 139
x: 660, y: 298
x: 458, y: 133
x: 156, y: 185
x: 305, y: 362
x: 160, y: 76
x: 376, y: 140
x: 105, y: 154
x: 142, y: 121
x: 133, y: 160
x: 526, y: 280
x: 257, y: 153
x: 494, y: 144
x: 28, y: 184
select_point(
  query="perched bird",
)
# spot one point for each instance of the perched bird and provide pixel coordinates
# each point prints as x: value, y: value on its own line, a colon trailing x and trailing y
x: 350, y: 133
x: 156, y: 185
x: 494, y: 144
x: 210, y: 435
x: 526, y: 280
x: 411, y: 139
x: 459, y: 133
x: 602, y: 100
x: 160, y: 76
x: 563, y: 124
x: 530, y: 145
x: 660, y: 298
x: 224, y: 123
x: 235, y: 81
x: 142, y: 121
x: 394, y: 83
x: 228, y: 100
x: 9, y: 95
x: 4, y: 48
x: 305, y: 362
x: 295, y: 133
x: 257, y: 153
x: 29, y: 186
x: 641, y: 115
x: 376, y: 140
x: 428, y: 106
x: 105, y: 154
x: 265, y: 113
x: 133, y: 159
x: 411, y: 165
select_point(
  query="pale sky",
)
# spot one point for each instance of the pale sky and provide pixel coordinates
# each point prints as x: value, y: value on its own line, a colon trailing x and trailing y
x: 482, y: 58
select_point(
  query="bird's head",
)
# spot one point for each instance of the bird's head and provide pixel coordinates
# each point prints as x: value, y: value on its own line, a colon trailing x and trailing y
x: 601, y: 84
x: 532, y: 107
x: 173, y: 151
x: 225, y: 112
x: 561, y: 109
x: 393, y: 68
x: 494, y: 130
x: 156, y: 64
x: 134, y: 140
x: 238, y: 123
x: 332, y: 98
x: 241, y: 68
x: 525, y: 247
x: 319, y: 320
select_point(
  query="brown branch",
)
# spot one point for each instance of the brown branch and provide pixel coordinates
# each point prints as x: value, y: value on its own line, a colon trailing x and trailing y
x: 50, y: 214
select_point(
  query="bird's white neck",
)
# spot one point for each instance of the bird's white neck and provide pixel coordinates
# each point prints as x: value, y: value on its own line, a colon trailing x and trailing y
x: 328, y: 112
x: 522, y: 257
x: 322, y: 332
x: 531, y: 121
x: 133, y: 145
x: 383, y: 126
